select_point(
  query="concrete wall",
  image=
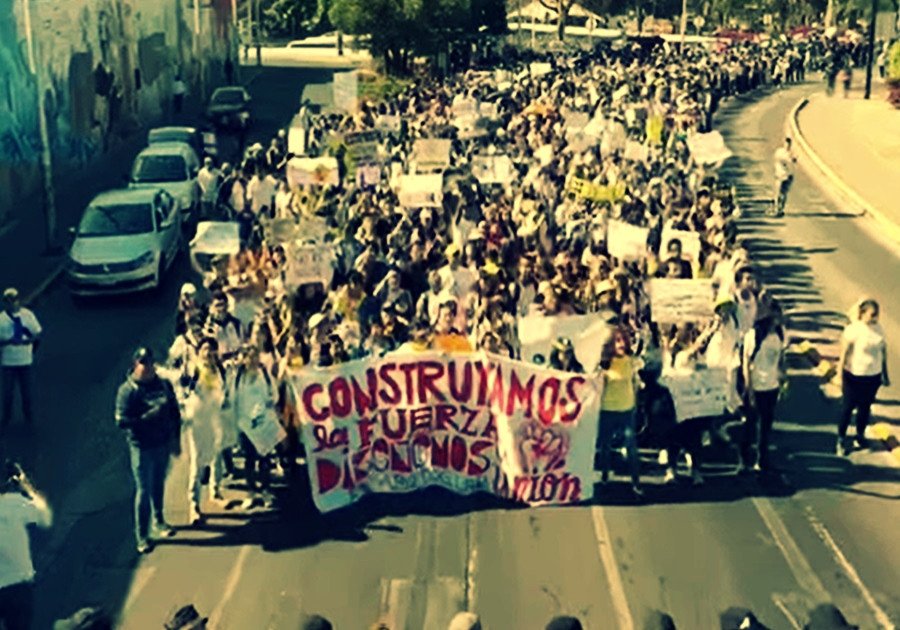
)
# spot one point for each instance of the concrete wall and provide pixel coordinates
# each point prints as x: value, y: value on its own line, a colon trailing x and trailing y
x: 106, y: 68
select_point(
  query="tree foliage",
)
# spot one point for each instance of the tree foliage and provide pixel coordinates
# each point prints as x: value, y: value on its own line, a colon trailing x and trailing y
x: 400, y: 29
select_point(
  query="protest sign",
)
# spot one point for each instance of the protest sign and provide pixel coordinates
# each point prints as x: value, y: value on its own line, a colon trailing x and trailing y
x: 279, y: 231
x: 690, y: 243
x: 489, y: 111
x: 312, y: 228
x: 708, y: 148
x: 654, y: 128
x: 539, y: 69
x: 421, y: 191
x: 321, y: 171
x: 465, y: 107
x: 575, y: 121
x: 676, y: 301
x: 216, y: 237
x: 390, y: 124
x: 635, y: 151
x: 626, y: 241
x: 595, y: 127
x: 467, y: 423
x: 362, y: 148
x: 308, y: 264
x: 588, y: 333
x: 263, y: 429
x: 368, y: 175
x: 595, y: 192
x: 346, y: 91
x: 492, y: 169
x: 431, y: 154
x: 699, y: 393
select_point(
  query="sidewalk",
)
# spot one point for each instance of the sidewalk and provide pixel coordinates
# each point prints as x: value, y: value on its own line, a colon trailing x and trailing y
x: 858, y: 141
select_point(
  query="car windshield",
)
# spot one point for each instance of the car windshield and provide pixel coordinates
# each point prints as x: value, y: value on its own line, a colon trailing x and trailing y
x: 228, y: 97
x: 159, y: 168
x: 116, y: 220
x: 169, y: 136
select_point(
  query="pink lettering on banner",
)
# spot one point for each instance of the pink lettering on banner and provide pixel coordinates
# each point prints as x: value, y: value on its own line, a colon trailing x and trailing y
x: 468, y: 424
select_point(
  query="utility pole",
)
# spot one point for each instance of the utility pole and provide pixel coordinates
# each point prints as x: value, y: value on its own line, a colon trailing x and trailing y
x: 258, y: 30
x: 871, y: 49
x: 683, y: 22
x: 198, y: 51
x: 46, y: 157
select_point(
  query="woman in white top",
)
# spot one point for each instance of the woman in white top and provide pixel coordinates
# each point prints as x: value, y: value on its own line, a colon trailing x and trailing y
x: 764, y: 375
x: 254, y: 395
x: 863, y: 369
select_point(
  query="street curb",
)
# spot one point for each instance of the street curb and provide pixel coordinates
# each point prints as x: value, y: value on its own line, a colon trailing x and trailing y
x: 823, y: 172
x: 45, y: 284
x: 883, y: 432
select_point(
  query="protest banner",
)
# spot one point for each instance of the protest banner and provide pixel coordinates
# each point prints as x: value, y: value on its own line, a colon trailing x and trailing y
x: 308, y: 264
x: 263, y: 429
x: 388, y: 124
x: 421, y: 191
x: 468, y: 423
x: 492, y: 169
x: 346, y: 91
x: 312, y: 228
x: 626, y: 241
x: 321, y: 171
x: 595, y: 127
x: 588, y: 333
x: 708, y: 148
x: 279, y: 231
x: 431, y: 154
x: 216, y: 237
x: 595, y: 192
x: 677, y: 301
x: 690, y: 243
x: 698, y: 393
x: 362, y: 148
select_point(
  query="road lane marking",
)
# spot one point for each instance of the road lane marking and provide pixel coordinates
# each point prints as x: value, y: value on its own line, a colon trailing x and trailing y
x: 780, y: 602
x: 470, y: 602
x: 880, y: 616
x: 796, y: 561
x: 234, y: 577
x: 396, y: 598
x: 444, y: 598
x: 616, y: 588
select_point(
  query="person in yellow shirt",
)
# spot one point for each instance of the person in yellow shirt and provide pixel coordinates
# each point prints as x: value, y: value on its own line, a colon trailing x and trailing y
x: 619, y: 370
x: 446, y: 337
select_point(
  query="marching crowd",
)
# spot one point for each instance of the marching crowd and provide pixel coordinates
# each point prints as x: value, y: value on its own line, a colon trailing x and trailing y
x: 459, y: 275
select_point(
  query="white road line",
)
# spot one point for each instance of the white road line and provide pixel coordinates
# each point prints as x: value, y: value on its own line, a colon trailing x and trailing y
x: 138, y: 584
x: 797, y: 562
x: 234, y: 577
x: 616, y: 588
x: 471, y: 568
x: 778, y: 600
x: 880, y: 616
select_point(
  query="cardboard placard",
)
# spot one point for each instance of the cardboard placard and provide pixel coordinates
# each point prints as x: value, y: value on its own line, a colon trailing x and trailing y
x: 626, y: 241
x: 217, y: 237
x: 676, y: 301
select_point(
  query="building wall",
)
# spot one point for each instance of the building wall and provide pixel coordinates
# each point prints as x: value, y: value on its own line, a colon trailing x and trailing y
x: 106, y: 68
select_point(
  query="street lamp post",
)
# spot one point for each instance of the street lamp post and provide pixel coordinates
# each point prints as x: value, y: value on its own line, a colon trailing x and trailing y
x: 198, y: 52
x: 871, y: 49
x: 683, y: 22
x: 46, y: 157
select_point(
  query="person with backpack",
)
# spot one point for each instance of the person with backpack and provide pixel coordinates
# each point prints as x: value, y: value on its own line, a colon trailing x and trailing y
x: 20, y: 334
x: 764, y: 378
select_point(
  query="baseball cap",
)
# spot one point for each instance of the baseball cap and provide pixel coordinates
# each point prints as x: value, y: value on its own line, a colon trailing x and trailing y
x: 10, y: 294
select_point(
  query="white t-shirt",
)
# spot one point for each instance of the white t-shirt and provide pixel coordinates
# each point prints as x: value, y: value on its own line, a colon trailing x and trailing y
x: 867, y: 348
x: 764, y: 364
x: 16, y: 514
x: 783, y: 163
x: 18, y: 354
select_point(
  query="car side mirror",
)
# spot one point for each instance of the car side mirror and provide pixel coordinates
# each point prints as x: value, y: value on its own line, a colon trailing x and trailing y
x: 72, y: 230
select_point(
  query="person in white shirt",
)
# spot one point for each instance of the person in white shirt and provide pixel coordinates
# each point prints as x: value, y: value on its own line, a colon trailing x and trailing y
x: 20, y: 333
x: 764, y: 376
x: 20, y: 506
x: 261, y: 192
x: 209, y: 179
x: 784, y: 175
x: 862, y: 368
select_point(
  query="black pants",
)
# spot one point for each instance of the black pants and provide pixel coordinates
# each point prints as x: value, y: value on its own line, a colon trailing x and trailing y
x: 12, y: 376
x: 687, y: 436
x: 257, y: 468
x: 17, y: 606
x: 760, y: 418
x: 859, y: 394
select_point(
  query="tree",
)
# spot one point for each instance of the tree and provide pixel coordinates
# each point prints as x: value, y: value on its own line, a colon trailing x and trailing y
x: 400, y: 29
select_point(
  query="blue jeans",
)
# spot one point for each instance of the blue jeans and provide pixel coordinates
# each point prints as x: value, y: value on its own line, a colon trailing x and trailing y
x: 613, y: 424
x: 149, y: 467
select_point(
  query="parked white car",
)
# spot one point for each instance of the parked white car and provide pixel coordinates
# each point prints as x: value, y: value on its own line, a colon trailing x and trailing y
x: 125, y: 241
x: 172, y: 166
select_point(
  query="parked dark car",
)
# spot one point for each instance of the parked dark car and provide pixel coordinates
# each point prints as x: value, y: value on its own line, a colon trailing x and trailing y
x: 203, y: 142
x: 229, y: 108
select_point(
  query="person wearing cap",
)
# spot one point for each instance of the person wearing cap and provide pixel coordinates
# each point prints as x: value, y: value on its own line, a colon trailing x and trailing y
x: 188, y: 307
x: 208, y: 178
x: 20, y: 334
x: 147, y: 410
x: 186, y: 618
x: 764, y: 376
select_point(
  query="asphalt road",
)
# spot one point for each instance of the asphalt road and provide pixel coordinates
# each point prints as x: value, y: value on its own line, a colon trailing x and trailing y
x: 825, y: 531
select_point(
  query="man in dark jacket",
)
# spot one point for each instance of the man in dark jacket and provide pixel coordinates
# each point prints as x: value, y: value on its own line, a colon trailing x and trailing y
x: 147, y: 410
